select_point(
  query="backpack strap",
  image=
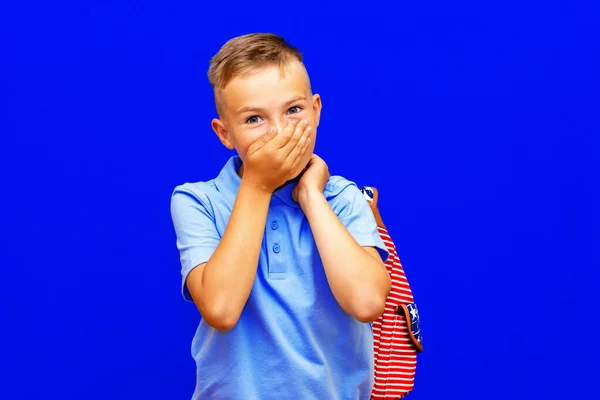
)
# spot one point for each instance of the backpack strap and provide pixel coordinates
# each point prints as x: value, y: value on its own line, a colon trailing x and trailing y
x: 372, y: 195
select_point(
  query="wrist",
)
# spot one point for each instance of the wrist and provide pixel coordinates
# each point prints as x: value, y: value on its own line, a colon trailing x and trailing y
x: 309, y: 196
x: 255, y: 187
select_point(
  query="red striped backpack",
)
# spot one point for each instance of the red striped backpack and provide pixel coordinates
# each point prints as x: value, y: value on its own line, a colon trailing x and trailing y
x: 397, y: 333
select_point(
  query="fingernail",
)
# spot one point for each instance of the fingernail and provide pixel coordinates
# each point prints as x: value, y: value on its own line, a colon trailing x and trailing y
x: 309, y: 129
x: 304, y: 122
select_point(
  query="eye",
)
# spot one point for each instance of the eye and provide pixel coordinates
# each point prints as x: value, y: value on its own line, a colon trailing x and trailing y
x: 294, y: 110
x: 253, y: 119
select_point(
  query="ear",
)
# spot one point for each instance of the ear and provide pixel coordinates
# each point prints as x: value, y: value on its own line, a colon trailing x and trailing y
x: 222, y: 133
x: 317, y: 107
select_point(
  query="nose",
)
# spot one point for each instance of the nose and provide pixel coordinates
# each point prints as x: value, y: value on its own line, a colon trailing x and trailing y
x: 280, y: 123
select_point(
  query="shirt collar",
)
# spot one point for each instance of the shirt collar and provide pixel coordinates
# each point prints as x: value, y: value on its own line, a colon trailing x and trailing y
x: 228, y: 183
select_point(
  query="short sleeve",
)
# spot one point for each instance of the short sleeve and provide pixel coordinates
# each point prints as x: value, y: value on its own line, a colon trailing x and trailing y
x: 197, y: 235
x: 352, y: 209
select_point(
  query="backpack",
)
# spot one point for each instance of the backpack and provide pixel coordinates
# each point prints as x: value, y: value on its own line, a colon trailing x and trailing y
x: 396, y: 333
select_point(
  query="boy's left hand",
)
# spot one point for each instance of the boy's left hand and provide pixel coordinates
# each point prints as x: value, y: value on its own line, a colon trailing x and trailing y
x: 314, y: 179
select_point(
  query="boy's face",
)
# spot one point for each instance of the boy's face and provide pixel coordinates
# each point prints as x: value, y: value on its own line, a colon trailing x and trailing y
x: 250, y: 105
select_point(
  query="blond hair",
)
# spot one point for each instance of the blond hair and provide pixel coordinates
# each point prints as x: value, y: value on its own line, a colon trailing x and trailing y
x: 246, y: 54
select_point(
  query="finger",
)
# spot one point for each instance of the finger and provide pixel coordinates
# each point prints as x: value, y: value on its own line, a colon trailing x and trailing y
x: 302, y: 130
x: 303, y: 151
x: 314, y: 158
x: 271, y: 133
x: 300, y: 151
x: 261, y: 141
x: 304, y: 143
x: 285, y: 135
x: 298, y: 132
x: 305, y: 140
x: 311, y: 161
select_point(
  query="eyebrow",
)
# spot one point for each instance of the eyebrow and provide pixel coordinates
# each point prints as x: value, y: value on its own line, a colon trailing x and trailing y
x: 247, y: 108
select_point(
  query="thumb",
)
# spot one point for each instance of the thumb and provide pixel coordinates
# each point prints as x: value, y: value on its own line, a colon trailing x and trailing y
x: 261, y: 141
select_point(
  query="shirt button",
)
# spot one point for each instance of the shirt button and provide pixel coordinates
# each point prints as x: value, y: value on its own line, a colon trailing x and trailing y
x: 276, y: 248
x: 274, y: 225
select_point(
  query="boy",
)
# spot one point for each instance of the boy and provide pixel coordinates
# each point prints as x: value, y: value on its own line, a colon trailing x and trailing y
x: 283, y: 262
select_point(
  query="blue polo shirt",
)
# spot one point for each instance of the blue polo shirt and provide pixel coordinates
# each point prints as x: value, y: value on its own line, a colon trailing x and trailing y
x: 293, y: 340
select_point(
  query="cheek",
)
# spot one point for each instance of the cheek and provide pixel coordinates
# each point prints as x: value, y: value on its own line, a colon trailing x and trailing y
x: 245, y: 140
x: 312, y: 119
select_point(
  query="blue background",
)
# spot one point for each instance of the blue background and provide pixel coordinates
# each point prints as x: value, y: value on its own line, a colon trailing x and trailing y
x: 477, y: 120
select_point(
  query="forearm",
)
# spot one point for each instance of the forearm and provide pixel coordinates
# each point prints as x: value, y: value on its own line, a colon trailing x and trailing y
x: 229, y: 274
x: 359, y: 281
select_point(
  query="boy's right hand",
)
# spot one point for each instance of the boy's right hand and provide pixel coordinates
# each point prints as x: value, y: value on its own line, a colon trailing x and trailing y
x: 276, y: 158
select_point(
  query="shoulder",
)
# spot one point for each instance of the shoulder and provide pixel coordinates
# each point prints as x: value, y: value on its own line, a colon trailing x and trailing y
x: 339, y: 186
x: 195, y: 189
x: 343, y: 194
x: 192, y: 194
